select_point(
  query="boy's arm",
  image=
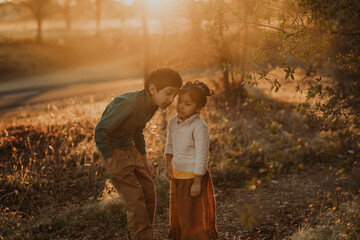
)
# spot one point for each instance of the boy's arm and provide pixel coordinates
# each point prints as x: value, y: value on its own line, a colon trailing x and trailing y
x: 148, y: 165
x: 139, y: 140
x: 113, y: 116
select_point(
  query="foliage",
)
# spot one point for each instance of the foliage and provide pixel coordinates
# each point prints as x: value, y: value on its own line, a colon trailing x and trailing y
x: 314, y: 35
x: 338, y: 21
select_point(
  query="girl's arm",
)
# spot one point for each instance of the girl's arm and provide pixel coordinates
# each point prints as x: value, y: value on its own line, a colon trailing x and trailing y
x: 169, y: 153
x: 169, y: 167
x: 169, y: 141
x: 196, y: 187
x: 202, y: 142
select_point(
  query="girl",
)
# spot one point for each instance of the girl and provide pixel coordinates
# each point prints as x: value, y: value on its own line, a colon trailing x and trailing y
x: 192, y: 202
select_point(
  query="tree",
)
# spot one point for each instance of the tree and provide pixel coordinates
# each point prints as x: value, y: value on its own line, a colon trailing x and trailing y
x: 145, y: 39
x: 40, y: 10
x: 219, y: 14
x: 215, y: 12
x: 98, y: 15
x: 339, y: 23
x: 308, y: 34
x: 4, y: 8
x: 66, y: 6
x: 194, y: 9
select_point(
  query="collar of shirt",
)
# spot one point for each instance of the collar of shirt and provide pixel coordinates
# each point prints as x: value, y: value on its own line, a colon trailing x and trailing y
x: 188, y: 121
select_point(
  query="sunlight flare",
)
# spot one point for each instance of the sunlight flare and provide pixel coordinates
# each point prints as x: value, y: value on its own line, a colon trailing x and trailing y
x: 128, y: 2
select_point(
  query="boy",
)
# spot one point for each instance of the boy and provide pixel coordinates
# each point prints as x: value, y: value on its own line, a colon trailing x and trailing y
x: 119, y: 137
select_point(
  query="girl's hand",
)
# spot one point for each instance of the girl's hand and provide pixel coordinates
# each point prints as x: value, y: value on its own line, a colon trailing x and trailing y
x: 170, y: 173
x: 195, y: 189
x: 169, y: 168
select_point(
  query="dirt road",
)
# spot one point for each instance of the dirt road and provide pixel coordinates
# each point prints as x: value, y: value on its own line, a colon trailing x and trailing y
x: 68, y: 83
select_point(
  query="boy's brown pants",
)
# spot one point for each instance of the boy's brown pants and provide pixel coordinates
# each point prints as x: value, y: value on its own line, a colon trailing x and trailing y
x: 131, y: 179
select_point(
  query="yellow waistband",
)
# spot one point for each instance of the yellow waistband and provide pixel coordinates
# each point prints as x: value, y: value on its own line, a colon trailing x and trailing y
x: 183, y: 175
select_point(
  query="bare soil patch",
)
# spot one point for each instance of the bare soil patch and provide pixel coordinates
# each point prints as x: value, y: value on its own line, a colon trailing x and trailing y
x: 277, y: 208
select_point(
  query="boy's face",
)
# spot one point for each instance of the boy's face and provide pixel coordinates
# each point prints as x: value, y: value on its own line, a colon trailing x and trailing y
x: 164, y: 97
x: 186, y: 107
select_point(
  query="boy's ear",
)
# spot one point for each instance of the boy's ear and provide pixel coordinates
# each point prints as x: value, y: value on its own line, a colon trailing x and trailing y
x: 152, y: 89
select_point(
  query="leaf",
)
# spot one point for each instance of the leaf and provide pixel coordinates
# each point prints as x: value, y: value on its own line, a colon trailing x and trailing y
x: 287, y: 75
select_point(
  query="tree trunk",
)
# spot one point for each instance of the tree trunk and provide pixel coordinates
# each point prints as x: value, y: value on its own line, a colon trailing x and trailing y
x: 98, y: 16
x: 39, y: 30
x: 224, y: 53
x: 67, y: 15
x: 145, y: 41
x: 245, y: 42
x: 242, y: 91
x: 225, y: 60
x: 195, y: 18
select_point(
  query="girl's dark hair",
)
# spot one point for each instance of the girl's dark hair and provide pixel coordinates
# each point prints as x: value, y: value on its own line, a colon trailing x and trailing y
x: 198, y: 92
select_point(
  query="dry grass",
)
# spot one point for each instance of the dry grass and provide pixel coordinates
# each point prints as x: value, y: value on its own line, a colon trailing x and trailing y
x: 52, y: 182
x: 340, y: 220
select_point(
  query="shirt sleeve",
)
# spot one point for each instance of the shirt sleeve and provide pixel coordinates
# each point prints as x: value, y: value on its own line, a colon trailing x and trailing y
x: 114, y: 115
x: 169, y: 142
x: 202, y: 142
x: 139, y: 140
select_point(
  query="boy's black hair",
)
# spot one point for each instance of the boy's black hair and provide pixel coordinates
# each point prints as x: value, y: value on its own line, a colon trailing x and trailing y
x: 163, y: 77
x: 198, y: 92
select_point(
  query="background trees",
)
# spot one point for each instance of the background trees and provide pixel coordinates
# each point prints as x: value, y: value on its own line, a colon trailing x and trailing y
x: 318, y: 36
x: 40, y: 10
x: 248, y: 39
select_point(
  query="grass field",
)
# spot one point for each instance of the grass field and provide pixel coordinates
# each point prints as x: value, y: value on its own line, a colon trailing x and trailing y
x: 54, y: 186
x: 277, y: 175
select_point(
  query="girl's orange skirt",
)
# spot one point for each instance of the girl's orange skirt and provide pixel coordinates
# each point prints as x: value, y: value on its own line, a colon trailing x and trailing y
x: 192, y: 217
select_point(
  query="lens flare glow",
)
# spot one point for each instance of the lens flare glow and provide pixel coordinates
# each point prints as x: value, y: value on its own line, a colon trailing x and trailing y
x: 127, y: 2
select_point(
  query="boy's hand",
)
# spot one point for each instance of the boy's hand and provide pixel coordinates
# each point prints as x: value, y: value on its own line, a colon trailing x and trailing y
x: 109, y: 160
x: 148, y: 166
x: 169, y: 172
x: 195, y: 189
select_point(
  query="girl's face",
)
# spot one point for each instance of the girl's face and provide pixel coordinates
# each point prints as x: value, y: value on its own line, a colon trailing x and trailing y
x: 185, y: 106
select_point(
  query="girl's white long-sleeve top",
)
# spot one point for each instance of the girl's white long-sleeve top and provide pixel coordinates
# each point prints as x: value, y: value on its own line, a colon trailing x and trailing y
x: 188, y: 142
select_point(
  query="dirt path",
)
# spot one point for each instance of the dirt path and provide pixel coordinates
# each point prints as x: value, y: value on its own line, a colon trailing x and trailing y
x: 69, y: 83
x: 276, y: 208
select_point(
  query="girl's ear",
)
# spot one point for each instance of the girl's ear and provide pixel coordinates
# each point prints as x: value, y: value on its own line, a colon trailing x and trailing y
x: 152, y: 89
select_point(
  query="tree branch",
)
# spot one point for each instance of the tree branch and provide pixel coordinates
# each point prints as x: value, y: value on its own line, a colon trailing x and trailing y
x: 261, y: 25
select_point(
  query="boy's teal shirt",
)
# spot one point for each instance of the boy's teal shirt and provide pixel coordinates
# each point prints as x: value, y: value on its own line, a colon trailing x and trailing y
x: 123, y: 122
